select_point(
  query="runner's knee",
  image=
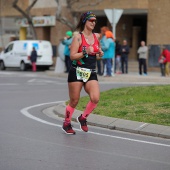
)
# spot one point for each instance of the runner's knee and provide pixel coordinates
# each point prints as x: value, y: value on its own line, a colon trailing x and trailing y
x: 95, y: 100
x: 73, y: 102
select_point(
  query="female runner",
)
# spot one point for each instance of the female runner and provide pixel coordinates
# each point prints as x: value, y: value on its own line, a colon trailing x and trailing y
x: 85, y: 48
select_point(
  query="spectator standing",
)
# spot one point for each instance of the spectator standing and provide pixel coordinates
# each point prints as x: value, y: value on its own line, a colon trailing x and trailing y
x: 124, y: 56
x: 166, y: 54
x: 108, y: 47
x: 33, y: 59
x: 162, y: 62
x: 101, y: 69
x: 143, y: 52
x: 118, y: 58
x: 67, y: 42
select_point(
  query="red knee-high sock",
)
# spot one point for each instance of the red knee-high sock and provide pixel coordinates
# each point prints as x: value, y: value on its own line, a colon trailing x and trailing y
x: 89, y: 108
x: 69, y: 113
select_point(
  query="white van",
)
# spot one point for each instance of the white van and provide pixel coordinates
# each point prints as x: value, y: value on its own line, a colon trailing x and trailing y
x: 16, y: 54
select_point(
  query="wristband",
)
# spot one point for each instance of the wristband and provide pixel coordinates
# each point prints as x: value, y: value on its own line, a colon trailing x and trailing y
x: 84, y: 52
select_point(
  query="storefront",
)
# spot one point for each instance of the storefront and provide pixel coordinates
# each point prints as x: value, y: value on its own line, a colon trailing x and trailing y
x: 41, y: 23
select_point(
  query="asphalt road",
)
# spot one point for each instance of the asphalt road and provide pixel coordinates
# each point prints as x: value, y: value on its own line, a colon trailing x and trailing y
x: 30, y: 140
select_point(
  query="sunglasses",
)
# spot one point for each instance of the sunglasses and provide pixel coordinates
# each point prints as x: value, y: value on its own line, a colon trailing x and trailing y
x: 92, y: 20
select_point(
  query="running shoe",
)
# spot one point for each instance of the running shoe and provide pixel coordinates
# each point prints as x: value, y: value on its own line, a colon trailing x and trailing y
x: 83, y: 123
x: 67, y: 128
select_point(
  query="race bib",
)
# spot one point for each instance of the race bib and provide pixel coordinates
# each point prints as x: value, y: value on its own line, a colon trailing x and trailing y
x: 83, y: 73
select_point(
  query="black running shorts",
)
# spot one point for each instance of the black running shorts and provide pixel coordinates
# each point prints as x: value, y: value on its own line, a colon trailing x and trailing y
x: 73, y: 78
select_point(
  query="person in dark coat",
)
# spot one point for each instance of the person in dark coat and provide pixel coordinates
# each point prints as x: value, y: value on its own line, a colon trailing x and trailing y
x: 118, y: 58
x: 124, y: 57
x: 33, y: 59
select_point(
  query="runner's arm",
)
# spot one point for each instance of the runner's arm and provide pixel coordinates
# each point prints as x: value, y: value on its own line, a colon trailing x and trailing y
x: 74, y: 54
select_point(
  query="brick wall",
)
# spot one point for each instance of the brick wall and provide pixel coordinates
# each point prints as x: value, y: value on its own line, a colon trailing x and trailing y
x: 158, y: 22
x: 124, y: 4
x: 56, y: 32
x: 124, y: 29
x: 8, y: 10
x: 158, y: 27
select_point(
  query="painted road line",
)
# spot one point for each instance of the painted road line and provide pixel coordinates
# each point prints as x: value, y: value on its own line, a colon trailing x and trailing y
x: 43, y: 82
x: 8, y: 84
x: 142, y: 126
x: 32, y: 80
x: 25, y: 112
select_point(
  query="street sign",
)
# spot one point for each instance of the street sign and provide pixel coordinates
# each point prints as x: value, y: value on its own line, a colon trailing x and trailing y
x: 113, y: 16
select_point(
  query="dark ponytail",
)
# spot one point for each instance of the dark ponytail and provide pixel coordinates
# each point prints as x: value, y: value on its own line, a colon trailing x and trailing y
x: 80, y: 25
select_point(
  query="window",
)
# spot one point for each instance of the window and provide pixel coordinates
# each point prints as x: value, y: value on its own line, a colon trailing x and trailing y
x: 9, y: 48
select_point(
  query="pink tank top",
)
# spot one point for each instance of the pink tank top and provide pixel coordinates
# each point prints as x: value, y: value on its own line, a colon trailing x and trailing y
x: 95, y: 45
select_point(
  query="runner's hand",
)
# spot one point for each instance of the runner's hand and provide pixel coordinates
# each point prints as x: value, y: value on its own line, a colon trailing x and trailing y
x: 101, y: 53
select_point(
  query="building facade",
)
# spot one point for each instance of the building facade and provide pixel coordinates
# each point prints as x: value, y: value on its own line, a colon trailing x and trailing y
x: 146, y: 20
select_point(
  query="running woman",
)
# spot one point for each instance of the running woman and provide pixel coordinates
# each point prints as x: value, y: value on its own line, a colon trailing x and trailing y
x: 85, y: 48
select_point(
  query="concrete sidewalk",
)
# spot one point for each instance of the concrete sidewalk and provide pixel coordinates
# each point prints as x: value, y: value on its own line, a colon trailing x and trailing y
x: 131, y: 77
x: 115, y: 123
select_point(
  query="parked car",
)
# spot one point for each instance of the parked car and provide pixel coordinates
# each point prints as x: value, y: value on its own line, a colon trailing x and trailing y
x: 17, y: 54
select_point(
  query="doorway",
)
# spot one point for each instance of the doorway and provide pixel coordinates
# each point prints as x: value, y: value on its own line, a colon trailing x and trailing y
x: 141, y: 21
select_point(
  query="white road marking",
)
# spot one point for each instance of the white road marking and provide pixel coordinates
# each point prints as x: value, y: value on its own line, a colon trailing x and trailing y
x: 18, y: 73
x: 32, y: 80
x: 43, y: 82
x: 8, y: 84
x: 25, y: 112
x: 141, y: 126
x: 40, y: 81
x: 6, y: 73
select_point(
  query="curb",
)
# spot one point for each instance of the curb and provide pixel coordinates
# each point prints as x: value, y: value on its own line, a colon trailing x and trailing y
x: 115, y: 123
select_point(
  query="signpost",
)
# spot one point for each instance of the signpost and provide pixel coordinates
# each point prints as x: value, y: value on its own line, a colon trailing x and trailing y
x: 113, y: 16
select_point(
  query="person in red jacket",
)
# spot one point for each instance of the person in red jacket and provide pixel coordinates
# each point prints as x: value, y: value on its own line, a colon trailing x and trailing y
x: 166, y: 54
